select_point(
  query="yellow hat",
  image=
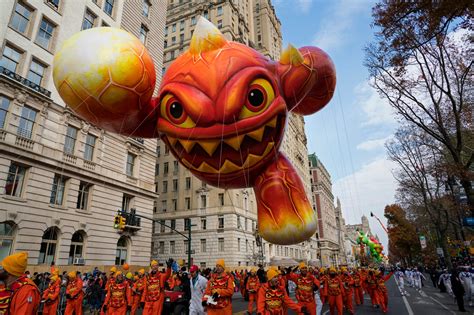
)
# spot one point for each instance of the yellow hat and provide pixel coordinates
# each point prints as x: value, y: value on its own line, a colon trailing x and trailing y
x: 141, y: 271
x: 72, y: 274
x: 113, y: 269
x: 332, y: 269
x: 253, y: 269
x: 129, y: 275
x: 322, y: 269
x: 271, y: 273
x: 153, y: 263
x: 343, y: 269
x: 136, y: 278
x: 221, y: 263
x: 302, y: 265
x: 15, y: 264
x: 125, y: 266
x: 118, y: 273
x: 54, y: 279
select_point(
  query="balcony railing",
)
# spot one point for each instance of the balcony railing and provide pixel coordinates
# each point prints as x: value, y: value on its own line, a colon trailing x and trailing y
x: 12, y: 75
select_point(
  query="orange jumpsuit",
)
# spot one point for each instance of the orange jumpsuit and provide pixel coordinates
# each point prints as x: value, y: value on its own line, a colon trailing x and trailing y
x: 4, y: 299
x: 153, y: 292
x: 348, y: 283
x: 274, y: 301
x: 358, y: 291
x: 322, y: 279
x: 334, y: 289
x: 74, y: 304
x: 380, y: 291
x: 51, y: 298
x: 118, y: 298
x: 371, y: 285
x: 137, y: 292
x: 253, y: 284
x: 25, y: 297
x: 223, y: 285
x: 304, y: 290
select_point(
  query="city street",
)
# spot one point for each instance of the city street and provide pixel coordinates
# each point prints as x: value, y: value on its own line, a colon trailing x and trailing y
x: 429, y: 301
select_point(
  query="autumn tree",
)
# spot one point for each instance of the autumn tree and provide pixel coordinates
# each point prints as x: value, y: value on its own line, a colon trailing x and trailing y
x: 421, y: 63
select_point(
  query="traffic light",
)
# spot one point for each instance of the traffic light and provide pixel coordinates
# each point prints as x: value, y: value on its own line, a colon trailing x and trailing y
x: 123, y: 221
x: 117, y: 222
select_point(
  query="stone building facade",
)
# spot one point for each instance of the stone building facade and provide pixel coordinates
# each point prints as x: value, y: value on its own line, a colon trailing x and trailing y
x: 223, y: 221
x: 61, y: 179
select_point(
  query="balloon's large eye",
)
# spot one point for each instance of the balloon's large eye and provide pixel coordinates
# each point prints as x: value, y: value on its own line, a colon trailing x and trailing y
x: 259, y: 96
x: 173, y: 111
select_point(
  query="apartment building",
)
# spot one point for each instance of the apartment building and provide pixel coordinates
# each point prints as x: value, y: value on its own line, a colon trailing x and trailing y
x: 222, y: 221
x: 62, y: 180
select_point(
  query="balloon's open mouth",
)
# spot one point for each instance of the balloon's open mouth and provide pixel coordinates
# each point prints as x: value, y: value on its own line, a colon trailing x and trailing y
x: 232, y: 153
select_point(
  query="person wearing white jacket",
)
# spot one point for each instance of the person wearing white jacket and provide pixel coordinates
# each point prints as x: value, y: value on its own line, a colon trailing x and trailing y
x: 416, y: 275
x: 446, y: 279
x: 198, y: 286
x: 466, y: 278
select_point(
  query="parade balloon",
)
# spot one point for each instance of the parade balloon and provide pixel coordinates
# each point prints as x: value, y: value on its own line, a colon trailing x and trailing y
x: 221, y: 109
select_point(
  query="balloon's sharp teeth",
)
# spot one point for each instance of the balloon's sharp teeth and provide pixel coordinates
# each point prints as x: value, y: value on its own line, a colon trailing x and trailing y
x: 187, y: 144
x: 209, y: 146
x: 229, y: 167
x: 257, y: 134
x: 172, y: 140
x: 272, y: 123
x: 235, y: 142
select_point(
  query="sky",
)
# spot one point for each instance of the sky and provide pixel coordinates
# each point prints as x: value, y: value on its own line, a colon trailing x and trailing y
x: 348, y: 135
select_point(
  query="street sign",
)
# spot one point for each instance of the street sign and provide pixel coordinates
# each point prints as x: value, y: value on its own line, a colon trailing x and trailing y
x: 468, y: 221
x: 439, y: 251
x: 422, y: 242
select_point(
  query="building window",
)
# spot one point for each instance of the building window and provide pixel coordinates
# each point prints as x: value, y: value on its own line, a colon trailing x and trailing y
x: 70, y: 141
x: 76, y: 248
x: 126, y: 202
x: 219, y: 10
x: 166, y: 31
x: 206, y: 15
x: 165, y: 186
x: 89, y: 147
x: 193, y: 20
x: 48, y: 246
x: 146, y: 8
x: 21, y: 17
x: 163, y: 205
x: 221, y: 199
x: 109, y: 7
x: 187, y: 202
x: 157, y: 169
x: 10, y: 58
x: 130, y: 163
x: 203, y: 201
x: 162, y: 226
x: 220, y: 220
x: 165, y: 168
x: 173, y: 27
x: 143, y: 33
x: 165, y: 45
x: 4, y: 104
x: 158, y: 151
x: 238, y: 244
x: 45, y: 34
x: 181, y: 26
x: 188, y: 183
x: 203, y: 223
x: 172, y: 247
x: 219, y: 24
x: 239, y: 222
x: 27, y: 121
x: 167, y: 150
x: 15, y: 180
x: 175, y: 185
x: 175, y: 167
x: 181, y: 39
x: 6, y: 239
x: 220, y: 242
x: 121, y: 254
x: 173, y: 41
x: 36, y: 72
x: 83, y: 195
x: 173, y: 224
x: 162, y: 248
x: 175, y: 204
x: 57, y: 192
x: 203, y: 246
x: 187, y: 224
x: 55, y: 3
x: 89, y: 20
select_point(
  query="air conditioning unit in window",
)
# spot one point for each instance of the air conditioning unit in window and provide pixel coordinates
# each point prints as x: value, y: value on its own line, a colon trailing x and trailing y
x: 79, y: 261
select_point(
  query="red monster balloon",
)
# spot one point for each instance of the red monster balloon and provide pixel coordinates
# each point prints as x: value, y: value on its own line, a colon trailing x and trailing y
x: 221, y: 109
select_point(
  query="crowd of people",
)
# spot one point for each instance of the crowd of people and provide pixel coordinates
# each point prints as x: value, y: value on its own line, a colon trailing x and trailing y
x: 207, y: 292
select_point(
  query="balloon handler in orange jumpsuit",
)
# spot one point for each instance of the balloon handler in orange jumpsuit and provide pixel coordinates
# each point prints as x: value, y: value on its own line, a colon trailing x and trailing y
x: 371, y: 285
x: 119, y: 297
x: 217, y: 297
x: 273, y: 299
x: 153, y: 295
x: 306, y: 284
x: 358, y: 278
x: 24, y: 296
x: 74, y: 294
x: 137, y: 291
x: 333, y: 290
x: 253, y: 284
x: 348, y: 284
x: 51, y: 296
x: 380, y: 291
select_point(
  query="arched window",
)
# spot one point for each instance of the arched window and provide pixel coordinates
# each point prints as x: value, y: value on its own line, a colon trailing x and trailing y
x: 6, y: 239
x: 77, y: 247
x: 121, y: 254
x: 48, y: 246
